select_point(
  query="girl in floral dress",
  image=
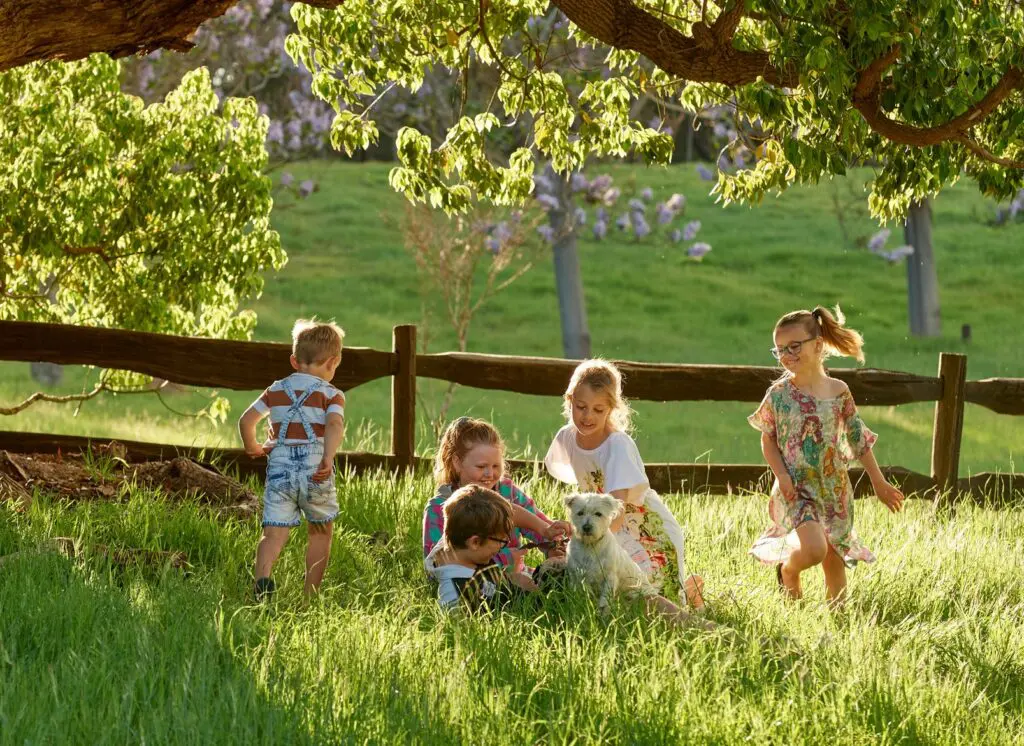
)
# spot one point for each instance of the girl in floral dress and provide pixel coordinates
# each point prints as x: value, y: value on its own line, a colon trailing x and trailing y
x: 810, y: 431
x: 595, y: 452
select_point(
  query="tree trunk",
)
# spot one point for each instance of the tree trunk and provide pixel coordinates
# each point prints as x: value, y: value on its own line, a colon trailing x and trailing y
x: 568, y: 280
x: 922, y: 276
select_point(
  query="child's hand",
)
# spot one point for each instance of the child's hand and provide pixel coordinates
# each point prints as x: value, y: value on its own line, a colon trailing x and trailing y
x: 323, y: 471
x: 256, y: 450
x: 558, y: 530
x: 787, y: 487
x: 556, y: 552
x: 520, y: 580
x: 891, y: 497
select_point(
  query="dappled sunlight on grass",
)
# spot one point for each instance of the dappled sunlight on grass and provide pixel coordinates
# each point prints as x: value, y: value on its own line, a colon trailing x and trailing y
x: 933, y: 630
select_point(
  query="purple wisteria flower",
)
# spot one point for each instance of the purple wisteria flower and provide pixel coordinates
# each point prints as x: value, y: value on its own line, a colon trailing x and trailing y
x: 690, y: 230
x: 623, y: 222
x: 549, y: 201
x: 637, y: 205
x: 698, y: 250
x: 704, y: 172
x: 579, y: 183
x: 647, y: 194
x: 665, y: 215
x: 601, y: 214
x: 640, y: 226
x: 503, y: 231
x: 580, y: 216
x: 307, y: 187
x: 493, y: 245
x: 541, y: 182
x: 546, y: 232
x: 877, y: 241
x: 901, y: 252
x: 676, y: 202
x: 286, y: 179
x: 600, y: 229
x: 676, y: 235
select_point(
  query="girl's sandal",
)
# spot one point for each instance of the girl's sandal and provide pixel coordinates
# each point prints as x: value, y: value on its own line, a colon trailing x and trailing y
x: 778, y: 576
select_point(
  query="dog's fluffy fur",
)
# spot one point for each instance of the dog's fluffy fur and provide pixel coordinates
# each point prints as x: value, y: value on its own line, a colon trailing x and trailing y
x: 594, y: 553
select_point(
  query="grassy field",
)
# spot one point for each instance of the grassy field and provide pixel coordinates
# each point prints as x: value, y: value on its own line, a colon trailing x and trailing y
x: 929, y: 650
x: 645, y: 302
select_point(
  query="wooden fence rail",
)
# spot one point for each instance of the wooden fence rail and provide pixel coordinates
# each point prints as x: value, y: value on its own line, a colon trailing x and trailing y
x: 253, y: 365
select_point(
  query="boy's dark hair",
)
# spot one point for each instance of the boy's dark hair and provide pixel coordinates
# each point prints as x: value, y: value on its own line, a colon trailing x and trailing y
x: 476, y: 511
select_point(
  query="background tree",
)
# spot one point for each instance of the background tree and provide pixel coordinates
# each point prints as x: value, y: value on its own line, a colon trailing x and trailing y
x: 463, y: 262
x: 930, y: 90
x: 154, y: 218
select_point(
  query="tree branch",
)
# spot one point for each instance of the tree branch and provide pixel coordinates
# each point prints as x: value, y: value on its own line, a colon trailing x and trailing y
x: 623, y: 25
x: 980, y: 151
x: 867, y: 95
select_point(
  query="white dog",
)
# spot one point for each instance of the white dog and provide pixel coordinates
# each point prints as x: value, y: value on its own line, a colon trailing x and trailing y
x: 595, y: 554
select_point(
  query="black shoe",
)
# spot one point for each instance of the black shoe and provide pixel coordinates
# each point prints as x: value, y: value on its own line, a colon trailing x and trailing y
x: 264, y: 588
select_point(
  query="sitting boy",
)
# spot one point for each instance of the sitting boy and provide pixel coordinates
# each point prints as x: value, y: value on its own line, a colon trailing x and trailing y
x: 478, y: 523
x: 307, y: 424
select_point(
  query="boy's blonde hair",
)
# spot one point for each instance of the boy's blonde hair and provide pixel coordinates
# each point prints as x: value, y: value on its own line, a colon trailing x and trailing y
x: 314, y: 342
x: 459, y: 438
x: 838, y: 339
x: 476, y: 511
x: 604, y: 379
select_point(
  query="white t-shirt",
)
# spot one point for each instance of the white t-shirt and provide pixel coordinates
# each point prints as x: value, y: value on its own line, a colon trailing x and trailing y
x: 613, y: 465
x: 447, y: 577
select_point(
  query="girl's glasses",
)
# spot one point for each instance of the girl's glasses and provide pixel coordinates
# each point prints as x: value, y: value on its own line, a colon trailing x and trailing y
x: 793, y: 348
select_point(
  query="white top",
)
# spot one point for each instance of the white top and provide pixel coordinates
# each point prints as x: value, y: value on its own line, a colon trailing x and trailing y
x: 446, y: 577
x: 613, y: 465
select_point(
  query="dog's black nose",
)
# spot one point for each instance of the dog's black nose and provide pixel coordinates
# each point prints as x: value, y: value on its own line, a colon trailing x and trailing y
x: 587, y: 528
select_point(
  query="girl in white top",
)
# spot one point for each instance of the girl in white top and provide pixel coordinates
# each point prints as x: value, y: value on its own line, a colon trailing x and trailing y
x: 595, y: 452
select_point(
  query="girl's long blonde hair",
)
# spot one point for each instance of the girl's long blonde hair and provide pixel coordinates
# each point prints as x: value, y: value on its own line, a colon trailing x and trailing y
x: 605, y: 379
x: 838, y: 339
x: 459, y: 438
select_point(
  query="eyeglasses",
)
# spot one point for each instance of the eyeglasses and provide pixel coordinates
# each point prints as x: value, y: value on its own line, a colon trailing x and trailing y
x: 503, y: 542
x: 793, y: 348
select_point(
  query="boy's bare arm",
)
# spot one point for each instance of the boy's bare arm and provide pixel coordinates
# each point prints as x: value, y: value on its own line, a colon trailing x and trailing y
x: 247, y: 429
x: 333, y: 435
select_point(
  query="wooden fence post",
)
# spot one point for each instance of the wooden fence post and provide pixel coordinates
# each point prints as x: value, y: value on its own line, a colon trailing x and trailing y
x: 403, y: 397
x: 949, y: 422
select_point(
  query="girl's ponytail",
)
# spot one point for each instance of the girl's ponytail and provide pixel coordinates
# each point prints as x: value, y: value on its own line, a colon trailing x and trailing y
x: 838, y: 339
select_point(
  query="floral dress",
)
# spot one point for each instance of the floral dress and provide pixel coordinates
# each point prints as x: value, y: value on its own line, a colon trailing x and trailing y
x: 817, y: 438
x: 650, y: 534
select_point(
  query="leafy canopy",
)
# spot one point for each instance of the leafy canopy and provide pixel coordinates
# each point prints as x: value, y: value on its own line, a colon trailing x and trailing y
x: 113, y: 213
x: 926, y: 90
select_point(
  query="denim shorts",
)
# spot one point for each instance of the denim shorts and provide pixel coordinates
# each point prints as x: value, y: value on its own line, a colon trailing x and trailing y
x: 290, y: 490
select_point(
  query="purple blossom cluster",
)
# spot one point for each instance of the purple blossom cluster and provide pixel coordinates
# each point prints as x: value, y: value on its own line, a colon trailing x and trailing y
x: 876, y: 245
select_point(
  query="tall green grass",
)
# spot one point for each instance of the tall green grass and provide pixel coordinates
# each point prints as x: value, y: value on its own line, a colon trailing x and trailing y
x: 929, y: 650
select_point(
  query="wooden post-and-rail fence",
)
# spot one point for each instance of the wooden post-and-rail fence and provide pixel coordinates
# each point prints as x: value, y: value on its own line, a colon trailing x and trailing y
x: 253, y: 365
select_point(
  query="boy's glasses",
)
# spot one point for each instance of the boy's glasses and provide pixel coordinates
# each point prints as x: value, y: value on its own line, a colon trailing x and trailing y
x: 503, y: 542
x: 793, y: 348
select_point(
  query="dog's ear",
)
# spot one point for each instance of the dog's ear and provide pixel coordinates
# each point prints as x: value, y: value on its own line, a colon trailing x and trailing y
x: 613, y: 505
x: 570, y: 501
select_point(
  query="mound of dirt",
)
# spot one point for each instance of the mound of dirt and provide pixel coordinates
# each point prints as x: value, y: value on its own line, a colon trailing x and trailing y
x: 106, y: 475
